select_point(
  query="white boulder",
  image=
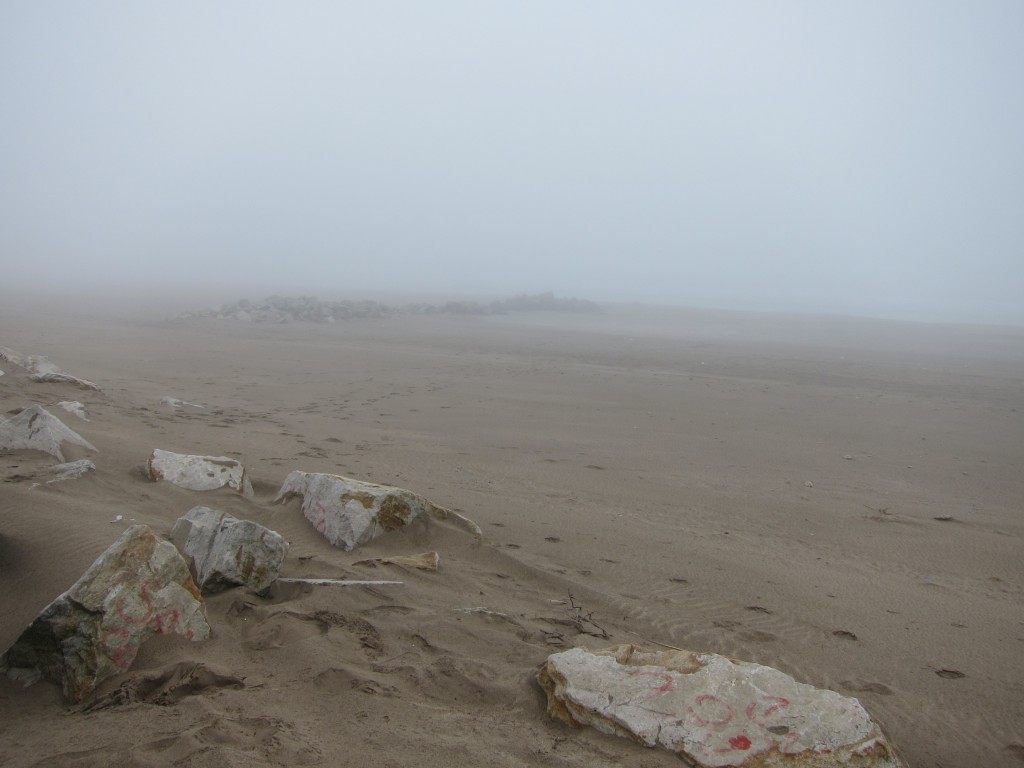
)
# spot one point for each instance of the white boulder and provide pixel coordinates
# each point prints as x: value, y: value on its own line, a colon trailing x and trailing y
x: 351, y: 512
x: 198, y: 473
x: 712, y: 711
x: 37, y: 429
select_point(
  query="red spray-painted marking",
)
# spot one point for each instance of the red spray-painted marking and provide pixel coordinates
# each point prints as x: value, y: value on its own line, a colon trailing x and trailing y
x: 146, y: 600
x: 667, y: 685
x: 740, y: 742
x: 715, y: 712
x: 123, y: 653
x: 167, y: 621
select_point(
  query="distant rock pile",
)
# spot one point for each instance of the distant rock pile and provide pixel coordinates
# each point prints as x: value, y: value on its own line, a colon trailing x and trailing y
x: 309, y: 309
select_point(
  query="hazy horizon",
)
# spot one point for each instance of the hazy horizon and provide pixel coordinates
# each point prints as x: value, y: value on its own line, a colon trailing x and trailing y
x: 861, y: 159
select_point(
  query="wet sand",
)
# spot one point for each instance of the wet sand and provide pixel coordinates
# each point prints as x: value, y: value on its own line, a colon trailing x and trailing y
x: 837, y: 498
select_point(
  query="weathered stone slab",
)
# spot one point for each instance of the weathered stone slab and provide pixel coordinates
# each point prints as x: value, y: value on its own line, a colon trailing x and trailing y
x: 75, y: 407
x: 72, y: 470
x: 223, y: 551
x: 198, y: 473
x: 350, y: 512
x: 711, y: 710
x: 37, y: 429
x: 138, y: 587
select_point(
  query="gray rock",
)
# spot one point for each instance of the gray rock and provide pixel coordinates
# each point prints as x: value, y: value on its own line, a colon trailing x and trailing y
x: 350, y: 512
x: 198, y: 473
x: 712, y: 711
x: 37, y: 429
x: 223, y: 551
x: 138, y: 587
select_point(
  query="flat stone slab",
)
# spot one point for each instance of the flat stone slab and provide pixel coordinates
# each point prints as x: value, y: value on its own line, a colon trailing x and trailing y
x: 138, y: 587
x: 198, y: 473
x: 351, y: 512
x: 711, y: 710
x: 223, y: 551
x: 37, y: 429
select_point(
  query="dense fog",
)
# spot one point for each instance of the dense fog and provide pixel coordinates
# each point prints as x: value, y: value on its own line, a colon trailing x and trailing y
x: 858, y: 158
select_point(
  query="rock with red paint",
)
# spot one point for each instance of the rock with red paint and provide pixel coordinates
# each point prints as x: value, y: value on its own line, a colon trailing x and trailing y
x: 351, y: 512
x: 223, y: 551
x: 711, y: 710
x: 138, y: 587
x: 36, y: 429
x: 198, y: 473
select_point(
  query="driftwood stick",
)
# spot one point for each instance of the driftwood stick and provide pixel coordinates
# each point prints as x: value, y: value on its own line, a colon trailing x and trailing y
x: 339, y: 582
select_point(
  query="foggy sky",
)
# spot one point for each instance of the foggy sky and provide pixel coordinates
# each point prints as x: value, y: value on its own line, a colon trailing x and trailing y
x: 859, y: 158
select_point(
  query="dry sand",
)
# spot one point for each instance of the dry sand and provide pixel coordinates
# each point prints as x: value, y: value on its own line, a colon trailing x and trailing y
x: 760, y: 486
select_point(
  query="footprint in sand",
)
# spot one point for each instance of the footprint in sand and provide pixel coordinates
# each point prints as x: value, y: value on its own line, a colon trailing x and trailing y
x: 844, y: 634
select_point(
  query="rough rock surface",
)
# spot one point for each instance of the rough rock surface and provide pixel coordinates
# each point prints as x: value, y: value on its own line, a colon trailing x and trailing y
x: 138, y: 587
x: 711, y: 710
x: 223, y: 551
x: 198, y: 473
x: 37, y: 429
x: 350, y: 512
x: 75, y: 407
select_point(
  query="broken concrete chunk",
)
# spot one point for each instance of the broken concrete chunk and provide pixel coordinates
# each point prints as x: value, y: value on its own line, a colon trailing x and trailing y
x: 427, y: 561
x: 37, y: 429
x: 72, y: 470
x: 75, y: 407
x: 223, y: 551
x: 350, y: 512
x: 198, y: 473
x: 138, y: 587
x: 711, y: 710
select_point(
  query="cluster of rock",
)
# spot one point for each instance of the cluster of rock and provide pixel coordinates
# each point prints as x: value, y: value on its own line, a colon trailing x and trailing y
x: 710, y: 710
x: 309, y: 309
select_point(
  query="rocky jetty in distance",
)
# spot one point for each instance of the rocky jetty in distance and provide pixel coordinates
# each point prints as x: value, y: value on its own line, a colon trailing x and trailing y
x: 310, y: 309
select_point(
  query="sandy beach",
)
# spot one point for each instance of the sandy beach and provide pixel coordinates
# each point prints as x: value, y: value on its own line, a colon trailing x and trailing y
x: 837, y: 498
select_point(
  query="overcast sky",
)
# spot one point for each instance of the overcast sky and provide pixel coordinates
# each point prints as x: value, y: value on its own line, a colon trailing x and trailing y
x: 861, y: 157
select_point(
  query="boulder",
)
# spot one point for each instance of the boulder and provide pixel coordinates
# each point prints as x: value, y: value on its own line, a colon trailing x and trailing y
x: 198, y: 473
x: 75, y: 407
x: 37, y: 429
x: 138, y: 587
x: 711, y: 710
x: 223, y: 551
x: 350, y: 512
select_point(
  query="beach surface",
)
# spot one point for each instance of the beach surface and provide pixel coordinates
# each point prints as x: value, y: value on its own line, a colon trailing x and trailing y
x: 837, y: 498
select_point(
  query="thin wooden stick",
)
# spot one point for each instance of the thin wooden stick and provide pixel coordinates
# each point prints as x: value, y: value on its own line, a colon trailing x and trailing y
x: 339, y: 582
